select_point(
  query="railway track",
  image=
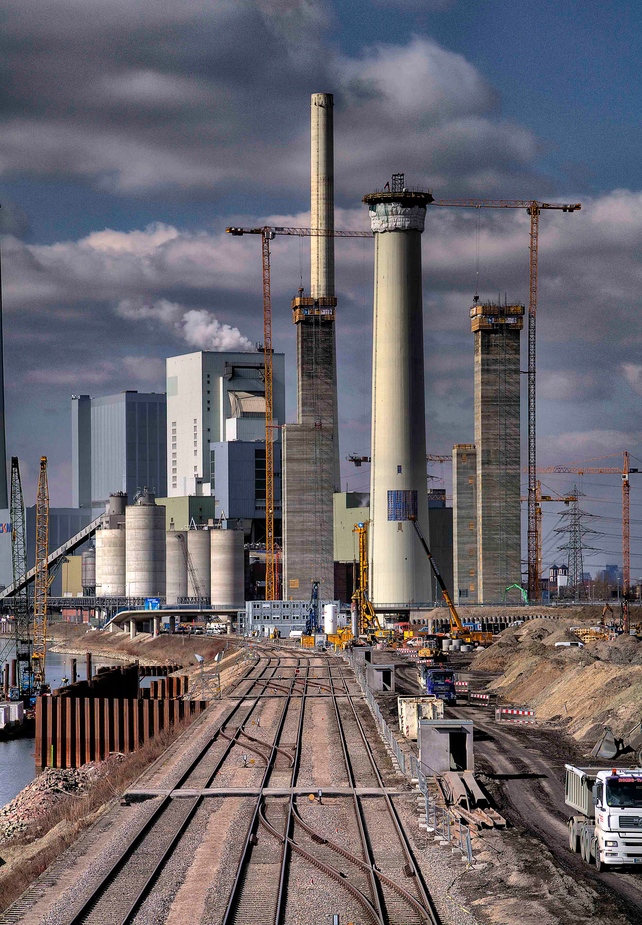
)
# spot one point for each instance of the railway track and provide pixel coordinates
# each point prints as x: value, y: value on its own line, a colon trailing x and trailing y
x: 283, y: 837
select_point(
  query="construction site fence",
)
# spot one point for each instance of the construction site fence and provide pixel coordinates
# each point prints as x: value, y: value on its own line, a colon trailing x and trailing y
x: 438, y: 818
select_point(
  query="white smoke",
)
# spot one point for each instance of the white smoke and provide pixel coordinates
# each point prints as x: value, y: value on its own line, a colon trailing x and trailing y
x: 201, y: 329
x: 198, y: 327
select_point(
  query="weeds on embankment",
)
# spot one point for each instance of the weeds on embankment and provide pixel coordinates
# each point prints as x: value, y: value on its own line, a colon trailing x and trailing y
x: 27, y: 854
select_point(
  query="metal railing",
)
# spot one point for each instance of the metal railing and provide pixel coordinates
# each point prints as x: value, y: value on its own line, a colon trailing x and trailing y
x: 439, y: 819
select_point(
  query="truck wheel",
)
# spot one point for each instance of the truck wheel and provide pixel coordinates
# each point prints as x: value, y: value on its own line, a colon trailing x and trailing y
x: 598, y: 859
x: 573, y: 837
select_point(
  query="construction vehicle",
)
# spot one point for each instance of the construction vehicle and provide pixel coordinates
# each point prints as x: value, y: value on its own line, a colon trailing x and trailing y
x: 457, y: 628
x: 312, y: 622
x: 440, y: 682
x: 611, y: 747
x: 368, y: 623
x: 607, y: 824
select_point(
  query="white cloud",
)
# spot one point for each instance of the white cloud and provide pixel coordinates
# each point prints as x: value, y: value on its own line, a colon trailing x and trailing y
x: 632, y: 372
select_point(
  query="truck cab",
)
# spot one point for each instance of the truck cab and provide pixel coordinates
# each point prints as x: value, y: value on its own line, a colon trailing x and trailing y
x: 441, y: 683
x: 610, y: 827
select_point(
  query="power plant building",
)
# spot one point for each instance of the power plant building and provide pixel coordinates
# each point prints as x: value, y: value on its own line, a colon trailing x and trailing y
x: 214, y: 397
x: 399, y: 572
x: 496, y: 512
x: 311, y: 446
x: 118, y: 444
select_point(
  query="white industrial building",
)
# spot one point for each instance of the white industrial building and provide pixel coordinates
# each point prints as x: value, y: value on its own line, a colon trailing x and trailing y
x: 212, y: 398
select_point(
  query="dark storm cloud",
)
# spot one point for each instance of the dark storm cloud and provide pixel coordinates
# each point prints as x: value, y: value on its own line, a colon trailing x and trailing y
x: 213, y: 97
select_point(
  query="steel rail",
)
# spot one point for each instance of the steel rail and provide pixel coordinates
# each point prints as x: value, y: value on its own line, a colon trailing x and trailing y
x: 296, y: 760
x: 377, y: 893
x: 228, y: 917
x: 327, y: 869
x: 427, y: 907
x: 110, y: 875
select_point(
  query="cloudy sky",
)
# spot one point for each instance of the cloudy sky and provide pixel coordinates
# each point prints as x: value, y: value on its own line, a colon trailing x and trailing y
x: 133, y: 132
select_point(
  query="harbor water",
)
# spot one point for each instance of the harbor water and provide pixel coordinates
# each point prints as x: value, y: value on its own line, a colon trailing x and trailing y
x: 17, y: 762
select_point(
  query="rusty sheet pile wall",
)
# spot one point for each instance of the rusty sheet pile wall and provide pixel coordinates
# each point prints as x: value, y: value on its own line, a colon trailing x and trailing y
x: 73, y: 730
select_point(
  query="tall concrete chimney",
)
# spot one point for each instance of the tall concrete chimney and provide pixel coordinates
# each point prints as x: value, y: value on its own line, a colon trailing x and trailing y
x: 399, y: 571
x: 322, y: 195
x: 311, y: 446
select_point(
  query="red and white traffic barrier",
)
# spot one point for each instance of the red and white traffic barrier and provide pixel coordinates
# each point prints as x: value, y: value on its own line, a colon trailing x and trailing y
x: 514, y: 715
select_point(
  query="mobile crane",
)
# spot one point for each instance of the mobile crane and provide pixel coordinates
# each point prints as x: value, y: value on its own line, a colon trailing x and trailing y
x: 457, y: 628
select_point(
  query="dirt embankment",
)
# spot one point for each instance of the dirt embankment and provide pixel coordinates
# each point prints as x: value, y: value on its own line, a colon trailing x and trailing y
x: 74, y: 639
x: 581, y: 689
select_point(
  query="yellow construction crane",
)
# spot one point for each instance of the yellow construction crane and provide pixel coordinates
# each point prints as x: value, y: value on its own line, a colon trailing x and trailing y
x: 41, y: 582
x: 533, y: 207
x: 268, y: 234
x: 367, y: 621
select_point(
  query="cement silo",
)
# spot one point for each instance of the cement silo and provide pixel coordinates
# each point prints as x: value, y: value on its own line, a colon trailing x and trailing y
x: 399, y: 576
x: 88, y: 571
x: 145, y: 548
x: 228, y: 567
x: 110, y: 549
x: 175, y: 566
x: 198, y: 576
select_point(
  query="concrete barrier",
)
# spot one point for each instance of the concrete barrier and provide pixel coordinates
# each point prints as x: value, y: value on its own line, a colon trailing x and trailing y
x: 514, y: 715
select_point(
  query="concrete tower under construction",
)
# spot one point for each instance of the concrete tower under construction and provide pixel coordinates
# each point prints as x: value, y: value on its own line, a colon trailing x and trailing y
x: 311, y: 446
x: 496, y: 330
x: 398, y: 567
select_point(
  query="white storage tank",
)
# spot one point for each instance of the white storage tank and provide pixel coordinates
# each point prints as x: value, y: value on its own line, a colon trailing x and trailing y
x: 110, y: 561
x: 145, y: 547
x: 329, y: 619
x: 227, y: 568
x: 198, y: 546
x: 175, y: 566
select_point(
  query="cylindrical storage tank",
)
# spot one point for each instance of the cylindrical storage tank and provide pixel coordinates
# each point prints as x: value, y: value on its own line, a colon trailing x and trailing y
x: 329, y: 618
x: 110, y: 562
x: 145, y: 548
x: 455, y: 645
x: 198, y: 546
x: 88, y: 569
x: 175, y: 566
x: 117, y: 504
x: 228, y: 568
x: 445, y: 644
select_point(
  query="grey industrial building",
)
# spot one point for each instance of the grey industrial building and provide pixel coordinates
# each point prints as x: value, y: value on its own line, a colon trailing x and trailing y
x: 496, y: 479
x: 238, y: 485
x: 118, y: 444
x: 310, y: 447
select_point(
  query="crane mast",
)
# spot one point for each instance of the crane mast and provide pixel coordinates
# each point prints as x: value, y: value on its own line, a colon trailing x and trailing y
x: 22, y: 637
x: 267, y: 234
x: 41, y: 582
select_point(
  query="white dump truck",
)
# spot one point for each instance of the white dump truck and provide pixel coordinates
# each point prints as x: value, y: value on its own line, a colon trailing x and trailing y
x: 607, y: 826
